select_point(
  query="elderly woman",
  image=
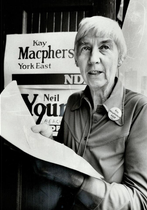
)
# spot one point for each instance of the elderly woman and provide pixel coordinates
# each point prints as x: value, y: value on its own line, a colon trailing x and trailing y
x: 106, y: 124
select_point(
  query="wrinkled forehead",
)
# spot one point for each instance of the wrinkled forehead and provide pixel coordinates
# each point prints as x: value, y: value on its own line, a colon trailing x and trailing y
x: 98, y: 33
x: 95, y: 35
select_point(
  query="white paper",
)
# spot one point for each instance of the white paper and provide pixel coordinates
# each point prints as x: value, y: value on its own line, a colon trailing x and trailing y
x: 16, y: 123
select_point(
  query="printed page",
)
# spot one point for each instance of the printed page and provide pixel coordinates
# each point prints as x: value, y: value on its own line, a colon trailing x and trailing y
x: 16, y: 128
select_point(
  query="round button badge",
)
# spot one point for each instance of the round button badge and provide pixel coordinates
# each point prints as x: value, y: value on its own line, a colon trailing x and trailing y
x: 114, y: 113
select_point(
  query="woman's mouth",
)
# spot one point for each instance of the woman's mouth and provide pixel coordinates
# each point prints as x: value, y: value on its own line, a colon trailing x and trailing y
x: 94, y: 72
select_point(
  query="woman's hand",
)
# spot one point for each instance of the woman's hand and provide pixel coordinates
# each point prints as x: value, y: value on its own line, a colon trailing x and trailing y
x: 43, y: 129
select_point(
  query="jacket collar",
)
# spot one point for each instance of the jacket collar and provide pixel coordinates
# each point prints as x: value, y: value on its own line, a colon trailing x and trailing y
x: 116, y: 99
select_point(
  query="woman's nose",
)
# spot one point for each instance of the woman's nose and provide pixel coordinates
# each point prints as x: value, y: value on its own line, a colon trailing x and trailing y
x: 95, y: 56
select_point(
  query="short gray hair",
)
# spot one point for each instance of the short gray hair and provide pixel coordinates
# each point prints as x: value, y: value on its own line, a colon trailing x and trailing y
x: 102, y: 26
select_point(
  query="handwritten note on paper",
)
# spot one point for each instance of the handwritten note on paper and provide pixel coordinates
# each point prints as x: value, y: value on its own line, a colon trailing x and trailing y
x: 16, y: 128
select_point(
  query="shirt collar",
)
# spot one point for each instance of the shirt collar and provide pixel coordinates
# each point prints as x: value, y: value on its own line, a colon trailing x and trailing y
x: 116, y: 99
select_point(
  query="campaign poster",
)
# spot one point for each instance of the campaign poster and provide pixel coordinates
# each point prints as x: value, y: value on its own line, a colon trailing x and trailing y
x: 43, y: 66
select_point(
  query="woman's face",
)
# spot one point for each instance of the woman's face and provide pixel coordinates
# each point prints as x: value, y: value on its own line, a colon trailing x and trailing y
x: 97, y: 59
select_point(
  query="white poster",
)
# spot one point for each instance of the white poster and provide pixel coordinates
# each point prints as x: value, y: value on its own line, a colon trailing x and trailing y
x: 43, y: 66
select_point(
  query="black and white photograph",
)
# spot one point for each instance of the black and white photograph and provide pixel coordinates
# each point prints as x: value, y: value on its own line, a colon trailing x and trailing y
x: 73, y: 105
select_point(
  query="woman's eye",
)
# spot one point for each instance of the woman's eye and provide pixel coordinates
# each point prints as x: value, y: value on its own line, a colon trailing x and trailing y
x: 86, y: 48
x: 104, y: 47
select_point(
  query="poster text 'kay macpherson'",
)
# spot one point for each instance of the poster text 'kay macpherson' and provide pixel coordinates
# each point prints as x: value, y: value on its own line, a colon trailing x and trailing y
x: 49, y: 53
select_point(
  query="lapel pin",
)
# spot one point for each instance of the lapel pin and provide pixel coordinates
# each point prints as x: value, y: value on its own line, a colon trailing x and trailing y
x: 114, y: 113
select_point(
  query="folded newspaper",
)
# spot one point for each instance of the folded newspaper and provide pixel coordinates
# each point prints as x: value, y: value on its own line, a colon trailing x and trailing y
x: 16, y: 123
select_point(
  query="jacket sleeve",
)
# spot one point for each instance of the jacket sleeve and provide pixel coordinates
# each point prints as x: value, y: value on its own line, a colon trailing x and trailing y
x: 131, y: 194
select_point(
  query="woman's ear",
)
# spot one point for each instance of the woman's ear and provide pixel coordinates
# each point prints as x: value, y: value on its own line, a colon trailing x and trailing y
x: 120, y: 61
x: 119, y: 64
